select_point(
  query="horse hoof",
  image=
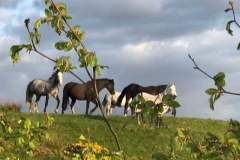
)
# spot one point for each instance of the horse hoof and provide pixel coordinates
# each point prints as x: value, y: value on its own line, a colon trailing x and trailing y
x: 56, y: 111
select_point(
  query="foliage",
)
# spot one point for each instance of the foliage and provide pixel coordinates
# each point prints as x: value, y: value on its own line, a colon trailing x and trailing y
x: 56, y: 14
x: 27, y: 136
x: 85, y: 149
x: 226, y: 146
x: 151, y: 110
x: 228, y: 26
x: 212, y: 146
x: 138, y: 141
x: 215, y: 94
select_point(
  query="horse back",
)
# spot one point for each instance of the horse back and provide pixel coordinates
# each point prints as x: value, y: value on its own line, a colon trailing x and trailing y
x: 76, y: 90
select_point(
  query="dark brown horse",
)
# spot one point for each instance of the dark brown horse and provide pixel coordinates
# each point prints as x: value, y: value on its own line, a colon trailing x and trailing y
x: 78, y: 91
x: 134, y: 89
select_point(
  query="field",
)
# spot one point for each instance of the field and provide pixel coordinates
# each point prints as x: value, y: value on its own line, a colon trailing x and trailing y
x: 137, y: 141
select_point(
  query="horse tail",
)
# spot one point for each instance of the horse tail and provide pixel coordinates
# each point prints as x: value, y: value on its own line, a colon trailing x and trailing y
x: 65, y: 100
x: 120, y: 98
x: 29, y: 93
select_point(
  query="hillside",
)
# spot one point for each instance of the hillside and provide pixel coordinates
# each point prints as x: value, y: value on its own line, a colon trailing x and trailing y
x: 137, y: 141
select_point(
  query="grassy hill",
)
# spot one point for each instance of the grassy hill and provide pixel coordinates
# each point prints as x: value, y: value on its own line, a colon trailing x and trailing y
x: 137, y: 141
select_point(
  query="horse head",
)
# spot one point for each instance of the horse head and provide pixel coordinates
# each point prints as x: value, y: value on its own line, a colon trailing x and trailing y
x: 110, y: 87
x: 60, y: 77
x: 171, y: 90
x: 57, y: 77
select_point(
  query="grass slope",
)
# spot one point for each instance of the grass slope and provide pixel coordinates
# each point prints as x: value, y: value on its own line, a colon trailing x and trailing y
x: 137, y: 141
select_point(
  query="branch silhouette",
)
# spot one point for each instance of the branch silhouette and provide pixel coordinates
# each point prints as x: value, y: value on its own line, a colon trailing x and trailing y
x: 196, y: 67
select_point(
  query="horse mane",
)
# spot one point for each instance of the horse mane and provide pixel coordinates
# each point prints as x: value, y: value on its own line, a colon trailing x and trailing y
x: 101, y: 79
x: 53, y: 74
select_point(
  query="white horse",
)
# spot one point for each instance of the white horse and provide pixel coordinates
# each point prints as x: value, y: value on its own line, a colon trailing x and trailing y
x: 170, y: 90
x: 157, y: 99
x: 46, y: 88
x: 110, y: 101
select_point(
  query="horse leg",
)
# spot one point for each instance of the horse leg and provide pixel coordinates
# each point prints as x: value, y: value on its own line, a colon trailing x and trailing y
x: 143, y: 119
x: 87, y: 106
x: 159, y: 120
x: 111, y: 109
x: 46, y: 103
x: 36, y: 103
x: 92, y: 110
x: 58, y: 101
x: 72, y: 105
x: 126, y: 107
x: 108, y: 108
x: 138, y: 120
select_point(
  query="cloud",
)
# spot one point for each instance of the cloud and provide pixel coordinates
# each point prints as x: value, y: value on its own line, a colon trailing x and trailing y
x: 144, y: 43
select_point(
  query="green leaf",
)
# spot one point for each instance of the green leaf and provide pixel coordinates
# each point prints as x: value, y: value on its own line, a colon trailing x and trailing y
x: 228, y: 9
x: 31, y: 36
x: 82, y: 138
x: 98, y: 70
x: 31, y: 145
x: 221, y: 75
x: 46, y: 1
x: 149, y: 103
x: 20, y: 141
x: 54, y: 21
x: 224, y: 139
x: 14, y: 53
x: 211, y: 155
x: 238, y: 47
x: 174, y: 104
x: 211, y: 91
x: 211, y: 102
x: 61, y: 45
x: 166, y: 98
x: 66, y: 16
x: 228, y: 27
x: 27, y: 123
x: 102, y: 66
x: 48, y: 13
x: 181, y: 133
x: 37, y: 24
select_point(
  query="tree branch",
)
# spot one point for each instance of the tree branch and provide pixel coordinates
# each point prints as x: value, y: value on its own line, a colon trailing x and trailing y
x: 196, y: 67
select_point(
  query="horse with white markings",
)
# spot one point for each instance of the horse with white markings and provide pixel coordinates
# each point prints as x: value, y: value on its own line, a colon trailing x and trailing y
x: 157, y: 99
x: 46, y: 88
x: 110, y: 101
x: 132, y: 90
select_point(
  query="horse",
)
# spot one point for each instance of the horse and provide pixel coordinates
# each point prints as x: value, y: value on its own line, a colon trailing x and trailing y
x: 157, y: 99
x: 110, y: 101
x: 79, y: 91
x: 134, y: 89
x: 46, y: 88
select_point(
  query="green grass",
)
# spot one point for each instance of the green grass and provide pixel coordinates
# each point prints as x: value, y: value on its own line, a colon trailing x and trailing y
x: 137, y: 141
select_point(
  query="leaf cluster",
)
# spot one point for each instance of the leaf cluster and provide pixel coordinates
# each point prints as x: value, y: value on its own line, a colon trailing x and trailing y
x: 212, y: 146
x: 215, y: 94
x: 26, y: 134
x: 228, y: 26
x: 150, y: 109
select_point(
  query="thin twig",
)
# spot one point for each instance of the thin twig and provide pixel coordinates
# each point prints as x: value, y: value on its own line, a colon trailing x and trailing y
x: 196, y: 67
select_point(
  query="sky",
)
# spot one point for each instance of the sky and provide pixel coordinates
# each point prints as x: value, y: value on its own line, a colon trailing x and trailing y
x: 142, y: 42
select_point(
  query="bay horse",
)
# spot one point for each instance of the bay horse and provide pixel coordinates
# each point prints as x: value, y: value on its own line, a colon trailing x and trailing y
x: 133, y: 90
x: 46, y: 88
x: 110, y: 101
x: 79, y: 91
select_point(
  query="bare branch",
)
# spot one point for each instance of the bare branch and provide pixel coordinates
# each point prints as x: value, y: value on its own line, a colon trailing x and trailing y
x: 196, y: 67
